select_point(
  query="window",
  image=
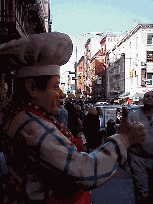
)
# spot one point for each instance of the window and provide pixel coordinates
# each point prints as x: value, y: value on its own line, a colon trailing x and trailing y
x: 136, y: 42
x: 121, y: 84
x: 149, y: 76
x: 150, y: 38
x: 123, y: 65
x: 149, y: 56
x: 136, y: 56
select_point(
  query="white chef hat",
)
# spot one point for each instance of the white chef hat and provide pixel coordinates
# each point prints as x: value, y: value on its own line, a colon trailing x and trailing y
x: 36, y: 55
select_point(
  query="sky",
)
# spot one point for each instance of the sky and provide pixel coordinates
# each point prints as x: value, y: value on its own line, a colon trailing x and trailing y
x: 75, y: 18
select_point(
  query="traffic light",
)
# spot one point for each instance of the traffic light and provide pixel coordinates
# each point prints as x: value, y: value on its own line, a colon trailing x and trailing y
x: 131, y: 73
x: 79, y: 77
x: 83, y: 77
x: 134, y: 73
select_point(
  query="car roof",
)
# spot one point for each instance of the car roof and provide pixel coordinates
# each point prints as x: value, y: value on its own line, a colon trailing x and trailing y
x: 108, y: 106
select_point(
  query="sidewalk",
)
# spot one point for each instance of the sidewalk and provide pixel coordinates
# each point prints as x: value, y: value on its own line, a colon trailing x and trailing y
x: 118, y: 190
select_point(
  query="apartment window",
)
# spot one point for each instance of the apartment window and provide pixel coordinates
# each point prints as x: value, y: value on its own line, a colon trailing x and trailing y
x: 119, y: 84
x: 149, y: 56
x: 123, y: 65
x: 123, y: 84
x: 136, y: 56
x: 114, y: 84
x: 136, y: 42
x: 150, y: 38
x: 119, y: 67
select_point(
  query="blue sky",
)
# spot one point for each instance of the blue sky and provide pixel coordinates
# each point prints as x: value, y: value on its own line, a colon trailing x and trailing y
x: 75, y: 18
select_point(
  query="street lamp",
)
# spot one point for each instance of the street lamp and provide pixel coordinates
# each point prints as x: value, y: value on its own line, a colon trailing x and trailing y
x: 88, y: 33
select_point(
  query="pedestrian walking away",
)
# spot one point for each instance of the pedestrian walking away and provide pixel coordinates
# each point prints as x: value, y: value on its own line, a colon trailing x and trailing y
x: 91, y: 127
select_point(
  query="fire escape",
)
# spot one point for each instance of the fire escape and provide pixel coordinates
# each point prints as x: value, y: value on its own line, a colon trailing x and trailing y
x: 20, y: 18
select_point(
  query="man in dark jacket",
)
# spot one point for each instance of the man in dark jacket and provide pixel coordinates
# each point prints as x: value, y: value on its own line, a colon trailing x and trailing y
x: 141, y: 156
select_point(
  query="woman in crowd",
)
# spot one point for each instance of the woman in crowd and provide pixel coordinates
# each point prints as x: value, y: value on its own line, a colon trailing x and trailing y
x: 101, y: 117
x: 47, y: 164
x: 91, y: 129
x: 102, y: 132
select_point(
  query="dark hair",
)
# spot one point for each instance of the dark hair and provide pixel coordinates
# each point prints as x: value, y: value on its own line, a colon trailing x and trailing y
x: 61, y: 103
x: 99, y: 111
x: 20, y: 91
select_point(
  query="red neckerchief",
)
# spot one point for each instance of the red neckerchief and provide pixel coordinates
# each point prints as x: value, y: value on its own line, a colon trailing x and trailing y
x: 64, y: 130
x: 11, y: 110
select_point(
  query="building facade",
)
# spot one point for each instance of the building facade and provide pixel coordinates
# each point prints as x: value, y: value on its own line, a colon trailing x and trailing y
x: 132, y: 60
x: 81, y: 76
x: 115, y: 77
x: 92, y: 46
x: 98, y: 76
x: 96, y: 65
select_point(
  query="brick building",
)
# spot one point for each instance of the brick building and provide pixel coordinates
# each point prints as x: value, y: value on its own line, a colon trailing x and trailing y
x: 81, y: 76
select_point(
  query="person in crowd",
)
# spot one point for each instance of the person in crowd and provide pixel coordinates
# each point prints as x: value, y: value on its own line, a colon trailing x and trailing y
x: 74, y: 118
x: 111, y: 129
x: 141, y: 156
x: 46, y: 163
x: 80, y: 117
x: 118, y: 119
x: 91, y: 127
x: 71, y: 112
x: 86, y: 108
x: 101, y: 118
x: 63, y: 115
x: 82, y: 112
x: 102, y: 132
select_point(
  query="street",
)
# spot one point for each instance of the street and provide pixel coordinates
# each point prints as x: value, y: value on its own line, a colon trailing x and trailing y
x: 118, y: 190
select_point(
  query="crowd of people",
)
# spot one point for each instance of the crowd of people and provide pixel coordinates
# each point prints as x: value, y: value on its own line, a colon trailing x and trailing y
x: 84, y: 120
x: 42, y: 140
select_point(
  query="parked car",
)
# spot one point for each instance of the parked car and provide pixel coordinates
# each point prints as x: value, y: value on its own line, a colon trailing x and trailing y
x: 101, y: 103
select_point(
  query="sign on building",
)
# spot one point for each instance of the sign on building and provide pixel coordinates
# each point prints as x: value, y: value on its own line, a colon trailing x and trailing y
x: 112, y: 41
